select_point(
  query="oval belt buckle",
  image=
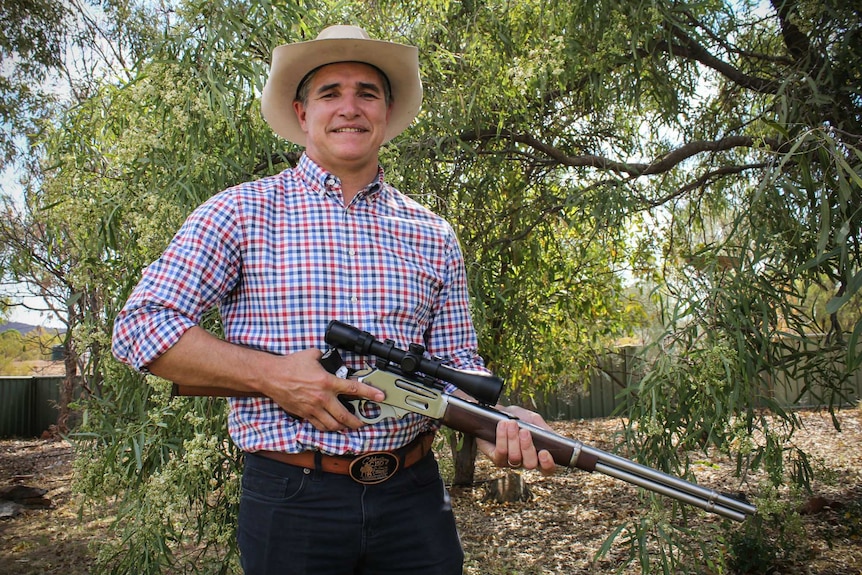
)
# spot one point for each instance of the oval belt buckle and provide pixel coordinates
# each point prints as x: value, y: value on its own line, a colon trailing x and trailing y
x: 374, y: 467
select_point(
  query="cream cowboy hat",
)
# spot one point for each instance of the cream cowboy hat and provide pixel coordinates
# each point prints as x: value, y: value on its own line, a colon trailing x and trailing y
x: 291, y: 63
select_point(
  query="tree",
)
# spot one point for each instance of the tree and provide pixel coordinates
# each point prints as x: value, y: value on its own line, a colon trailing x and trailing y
x: 710, y: 148
x: 737, y: 116
x: 165, y: 142
x: 32, y: 39
x: 690, y: 117
x: 41, y: 255
x: 54, y: 55
x: 131, y: 161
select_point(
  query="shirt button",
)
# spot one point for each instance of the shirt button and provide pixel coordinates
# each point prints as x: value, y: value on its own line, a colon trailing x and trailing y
x: 354, y: 299
x: 351, y: 252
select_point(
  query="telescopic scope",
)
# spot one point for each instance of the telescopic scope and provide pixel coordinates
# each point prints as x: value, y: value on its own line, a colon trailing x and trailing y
x: 485, y: 389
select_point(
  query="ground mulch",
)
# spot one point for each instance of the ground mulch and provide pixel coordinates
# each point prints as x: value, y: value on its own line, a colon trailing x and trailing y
x: 558, y: 530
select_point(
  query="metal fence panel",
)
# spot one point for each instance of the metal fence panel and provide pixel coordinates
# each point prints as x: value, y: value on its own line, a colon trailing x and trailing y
x: 790, y: 392
x: 47, y: 402
x: 597, y: 401
x: 600, y: 398
x: 28, y: 405
x: 16, y: 413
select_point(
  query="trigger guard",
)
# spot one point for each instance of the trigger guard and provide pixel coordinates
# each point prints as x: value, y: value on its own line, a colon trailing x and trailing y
x: 358, y: 406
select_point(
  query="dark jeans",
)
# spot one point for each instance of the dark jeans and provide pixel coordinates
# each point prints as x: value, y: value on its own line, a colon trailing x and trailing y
x: 296, y: 521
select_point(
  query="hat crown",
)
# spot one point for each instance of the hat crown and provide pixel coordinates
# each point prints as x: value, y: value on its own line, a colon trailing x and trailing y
x: 343, y: 32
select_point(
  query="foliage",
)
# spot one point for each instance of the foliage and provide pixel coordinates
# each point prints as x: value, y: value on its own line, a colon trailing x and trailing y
x: 31, y: 43
x: 174, y: 473
x: 708, y: 149
x: 677, y: 548
x: 543, y: 269
x: 183, y: 127
x: 39, y: 251
x: 775, y: 538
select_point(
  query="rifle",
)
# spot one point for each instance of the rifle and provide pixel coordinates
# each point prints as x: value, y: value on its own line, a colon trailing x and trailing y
x: 412, y: 384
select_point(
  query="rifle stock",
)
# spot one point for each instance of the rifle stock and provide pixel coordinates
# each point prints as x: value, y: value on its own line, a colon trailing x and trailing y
x: 210, y: 391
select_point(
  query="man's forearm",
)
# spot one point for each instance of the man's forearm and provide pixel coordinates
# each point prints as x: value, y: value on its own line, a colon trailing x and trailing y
x: 298, y: 383
x: 201, y: 359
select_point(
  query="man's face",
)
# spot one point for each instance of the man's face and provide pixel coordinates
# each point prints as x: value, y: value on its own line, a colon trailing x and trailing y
x: 344, y: 117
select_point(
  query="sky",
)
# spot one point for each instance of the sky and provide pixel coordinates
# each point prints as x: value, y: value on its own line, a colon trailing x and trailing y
x: 10, y: 187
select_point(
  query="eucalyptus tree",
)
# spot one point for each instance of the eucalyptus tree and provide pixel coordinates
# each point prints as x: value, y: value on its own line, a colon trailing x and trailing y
x: 32, y: 39
x: 52, y: 54
x: 127, y: 164
x: 734, y: 130
x: 131, y: 161
x: 711, y: 148
x: 40, y: 259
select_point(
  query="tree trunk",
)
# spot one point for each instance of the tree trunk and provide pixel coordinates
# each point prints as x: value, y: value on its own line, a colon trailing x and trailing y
x: 464, y: 458
x: 70, y: 363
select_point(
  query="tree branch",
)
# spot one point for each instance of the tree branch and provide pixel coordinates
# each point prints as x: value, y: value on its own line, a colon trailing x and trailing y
x: 660, y: 165
x: 709, y: 176
x: 798, y: 44
x: 689, y: 48
x: 274, y: 159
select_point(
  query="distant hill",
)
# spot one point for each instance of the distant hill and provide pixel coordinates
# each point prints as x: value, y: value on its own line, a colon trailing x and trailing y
x: 21, y: 328
x: 25, y: 328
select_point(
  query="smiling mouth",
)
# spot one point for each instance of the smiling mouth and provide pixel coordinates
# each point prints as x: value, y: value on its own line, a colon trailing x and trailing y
x: 349, y: 131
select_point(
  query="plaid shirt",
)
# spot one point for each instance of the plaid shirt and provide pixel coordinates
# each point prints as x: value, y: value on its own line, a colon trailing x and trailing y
x: 281, y: 257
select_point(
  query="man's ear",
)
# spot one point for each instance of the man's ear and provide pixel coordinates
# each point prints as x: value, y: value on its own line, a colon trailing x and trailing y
x: 299, y: 109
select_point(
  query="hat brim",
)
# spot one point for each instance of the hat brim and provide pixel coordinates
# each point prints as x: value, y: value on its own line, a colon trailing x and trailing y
x: 291, y: 63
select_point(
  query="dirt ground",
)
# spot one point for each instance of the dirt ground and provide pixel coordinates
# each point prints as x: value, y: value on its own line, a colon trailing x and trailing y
x: 558, y: 530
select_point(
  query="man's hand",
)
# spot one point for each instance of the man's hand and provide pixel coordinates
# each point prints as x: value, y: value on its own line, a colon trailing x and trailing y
x: 303, y: 388
x: 514, y: 446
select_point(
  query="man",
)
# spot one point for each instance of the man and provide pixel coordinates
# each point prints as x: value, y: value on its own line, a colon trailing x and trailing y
x: 281, y: 257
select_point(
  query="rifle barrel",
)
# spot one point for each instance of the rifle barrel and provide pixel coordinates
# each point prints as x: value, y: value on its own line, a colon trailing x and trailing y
x: 481, y: 421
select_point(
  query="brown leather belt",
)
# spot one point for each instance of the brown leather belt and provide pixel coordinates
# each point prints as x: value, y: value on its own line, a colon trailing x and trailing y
x: 367, y: 468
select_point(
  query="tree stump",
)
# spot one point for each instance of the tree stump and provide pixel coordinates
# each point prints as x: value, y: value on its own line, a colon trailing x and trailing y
x: 508, y: 489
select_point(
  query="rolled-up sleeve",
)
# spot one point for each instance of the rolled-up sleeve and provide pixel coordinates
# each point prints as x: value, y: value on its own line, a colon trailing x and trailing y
x: 197, y: 270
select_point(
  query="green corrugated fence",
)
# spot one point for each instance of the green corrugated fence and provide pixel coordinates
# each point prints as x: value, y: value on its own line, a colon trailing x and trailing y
x: 617, y: 371
x: 28, y: 405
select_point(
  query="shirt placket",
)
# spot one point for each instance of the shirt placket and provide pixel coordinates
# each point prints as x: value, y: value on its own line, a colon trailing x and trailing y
x: 353, y: 265
x: 349, y: 302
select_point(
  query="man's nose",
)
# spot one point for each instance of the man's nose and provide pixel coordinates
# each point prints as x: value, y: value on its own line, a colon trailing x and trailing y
x: 349, y: 105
